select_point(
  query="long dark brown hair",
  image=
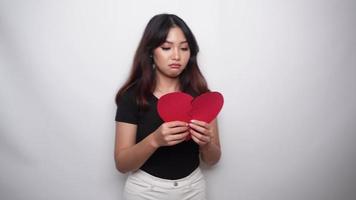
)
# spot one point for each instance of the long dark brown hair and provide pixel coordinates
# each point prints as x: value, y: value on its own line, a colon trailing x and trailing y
x: 142, y: 74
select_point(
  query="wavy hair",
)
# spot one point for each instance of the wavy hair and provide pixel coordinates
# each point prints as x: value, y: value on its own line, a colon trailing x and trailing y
x: 142, y: 74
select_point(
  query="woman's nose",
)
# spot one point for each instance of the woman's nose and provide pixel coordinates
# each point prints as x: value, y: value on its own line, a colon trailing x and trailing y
x: 176, y: 54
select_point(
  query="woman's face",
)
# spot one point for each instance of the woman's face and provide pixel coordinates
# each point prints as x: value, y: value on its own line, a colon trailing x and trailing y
x: 172, y: 56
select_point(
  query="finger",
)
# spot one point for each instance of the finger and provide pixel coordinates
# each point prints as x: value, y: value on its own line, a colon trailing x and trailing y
x: 179, y: 129
x: 196, y: 140
x: 200, y: 136
x: 197, y: 128
x: 176, y: 123
x: 175, y: 139
x: 199, y: 123
x: 171, y: 143
x: 180, y: 136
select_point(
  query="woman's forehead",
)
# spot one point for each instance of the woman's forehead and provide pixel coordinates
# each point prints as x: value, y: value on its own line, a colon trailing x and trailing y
x: 176, y: 36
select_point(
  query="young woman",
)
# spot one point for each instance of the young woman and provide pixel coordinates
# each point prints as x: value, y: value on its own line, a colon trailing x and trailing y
x: 163, y: 164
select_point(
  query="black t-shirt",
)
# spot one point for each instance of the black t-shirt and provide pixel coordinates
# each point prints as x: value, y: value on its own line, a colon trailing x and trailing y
x: 168, y: 162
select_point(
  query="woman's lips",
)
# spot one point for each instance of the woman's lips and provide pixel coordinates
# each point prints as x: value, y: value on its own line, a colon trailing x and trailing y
x: 175, y: 66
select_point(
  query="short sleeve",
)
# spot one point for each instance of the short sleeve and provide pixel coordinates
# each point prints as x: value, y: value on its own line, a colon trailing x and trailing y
x: 127, y: 109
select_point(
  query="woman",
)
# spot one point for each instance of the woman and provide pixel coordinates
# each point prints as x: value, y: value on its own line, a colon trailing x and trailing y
x: 162, y: 159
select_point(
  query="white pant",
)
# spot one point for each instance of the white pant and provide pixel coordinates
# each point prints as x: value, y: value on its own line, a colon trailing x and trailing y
x: 141, y: 185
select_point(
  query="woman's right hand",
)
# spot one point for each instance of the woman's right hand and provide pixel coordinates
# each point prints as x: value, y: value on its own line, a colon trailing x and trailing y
x: 170, y: 133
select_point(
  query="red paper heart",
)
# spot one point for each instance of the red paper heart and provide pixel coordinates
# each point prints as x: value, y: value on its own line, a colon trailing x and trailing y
x: 179, y: 106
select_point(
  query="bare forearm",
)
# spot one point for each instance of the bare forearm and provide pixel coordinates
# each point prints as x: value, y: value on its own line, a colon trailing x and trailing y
x: 134, y: 157
x: 210, y: 153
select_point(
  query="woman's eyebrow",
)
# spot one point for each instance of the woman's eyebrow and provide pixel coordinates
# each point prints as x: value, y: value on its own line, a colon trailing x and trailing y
x: 169, y: 42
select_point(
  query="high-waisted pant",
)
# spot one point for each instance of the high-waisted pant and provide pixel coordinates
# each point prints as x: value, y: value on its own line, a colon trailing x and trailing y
x: 141, y: 185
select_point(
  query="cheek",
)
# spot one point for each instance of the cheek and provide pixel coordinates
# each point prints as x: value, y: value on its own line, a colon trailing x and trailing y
x: 159, y: 57
x: 186, y: 58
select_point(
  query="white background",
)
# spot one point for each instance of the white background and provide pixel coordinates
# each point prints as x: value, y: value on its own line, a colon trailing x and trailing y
x: 287, y: 70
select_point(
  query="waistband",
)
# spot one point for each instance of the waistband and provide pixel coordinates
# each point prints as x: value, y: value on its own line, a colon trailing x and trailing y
x: 141, y: 175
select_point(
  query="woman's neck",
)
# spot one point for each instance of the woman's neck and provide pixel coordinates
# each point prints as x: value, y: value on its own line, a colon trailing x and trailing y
x: 166, y: 85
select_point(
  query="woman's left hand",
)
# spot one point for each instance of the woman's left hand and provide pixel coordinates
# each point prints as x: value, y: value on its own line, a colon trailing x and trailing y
x: 201, y: 132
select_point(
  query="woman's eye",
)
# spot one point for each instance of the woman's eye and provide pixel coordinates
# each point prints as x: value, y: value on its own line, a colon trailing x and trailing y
x: 165, y: 48
x: 185, y: 49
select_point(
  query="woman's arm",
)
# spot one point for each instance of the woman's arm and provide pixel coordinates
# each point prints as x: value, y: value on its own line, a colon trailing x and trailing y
x: 130, y: 156
x: 207, y: 137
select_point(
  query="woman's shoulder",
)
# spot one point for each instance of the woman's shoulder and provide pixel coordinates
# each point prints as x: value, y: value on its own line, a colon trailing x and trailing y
x: 129, y: 94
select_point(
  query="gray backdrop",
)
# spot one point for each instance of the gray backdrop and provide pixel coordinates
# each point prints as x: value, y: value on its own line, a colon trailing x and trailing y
x: 286, y: 69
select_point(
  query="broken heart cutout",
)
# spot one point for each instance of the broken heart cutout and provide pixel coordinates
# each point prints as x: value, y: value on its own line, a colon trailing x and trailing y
x: 179, y: 106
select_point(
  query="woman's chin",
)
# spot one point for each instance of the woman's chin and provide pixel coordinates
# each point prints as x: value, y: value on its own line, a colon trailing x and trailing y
x: 172, y: 73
